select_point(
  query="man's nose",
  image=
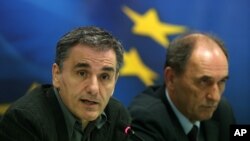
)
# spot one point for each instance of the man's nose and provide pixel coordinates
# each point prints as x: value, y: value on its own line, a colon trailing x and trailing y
x: 215, y: 93
x: 93, y: 85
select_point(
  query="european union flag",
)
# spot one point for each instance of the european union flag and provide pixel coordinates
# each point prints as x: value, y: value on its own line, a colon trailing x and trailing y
x: 30, y: 29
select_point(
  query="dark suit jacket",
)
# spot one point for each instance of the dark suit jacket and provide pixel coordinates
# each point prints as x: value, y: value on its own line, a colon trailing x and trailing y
x: 154, y: 119
x: 37, y: 116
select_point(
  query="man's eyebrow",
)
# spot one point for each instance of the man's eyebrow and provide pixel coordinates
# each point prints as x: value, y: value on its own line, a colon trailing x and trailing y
x: 226, y: 78
x: 110, y: 69
x: 86, y: 65
x: 82, y: 65
x: 210, y: 78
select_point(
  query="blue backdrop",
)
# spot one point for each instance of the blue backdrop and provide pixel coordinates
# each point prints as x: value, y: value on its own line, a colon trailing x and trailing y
x: 29, y: 30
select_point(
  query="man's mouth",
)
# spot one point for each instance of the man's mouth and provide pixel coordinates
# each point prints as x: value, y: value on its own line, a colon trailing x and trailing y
x: 88, y: 102
x: 210, y: 107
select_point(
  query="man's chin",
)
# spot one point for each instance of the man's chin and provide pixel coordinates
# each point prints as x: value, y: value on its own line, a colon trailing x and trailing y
x: 206, y: 116
x: 90, y: 116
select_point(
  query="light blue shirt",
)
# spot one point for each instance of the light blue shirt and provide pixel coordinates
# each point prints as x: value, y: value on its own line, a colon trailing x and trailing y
x: 184, y: 121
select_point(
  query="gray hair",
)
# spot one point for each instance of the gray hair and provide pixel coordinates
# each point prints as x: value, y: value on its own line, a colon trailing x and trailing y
x: 93, y: 37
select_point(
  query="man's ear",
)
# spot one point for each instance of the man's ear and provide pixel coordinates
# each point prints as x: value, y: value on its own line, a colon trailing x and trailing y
x: 117, y: 76
x: 169, y: 77
x: 55, y: 75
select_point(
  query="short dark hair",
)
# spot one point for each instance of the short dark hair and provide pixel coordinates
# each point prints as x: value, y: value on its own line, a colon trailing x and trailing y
x: 181, y: 48
x: 94, y: 37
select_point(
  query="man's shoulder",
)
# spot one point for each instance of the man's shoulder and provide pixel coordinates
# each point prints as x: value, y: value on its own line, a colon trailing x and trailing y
x: 35, y: 114
x: 34, y: 101
x: 117, y: 114
x: 35, y: 94
x: 115, y: 106
x: 150, y: 103
x: 150, y: 98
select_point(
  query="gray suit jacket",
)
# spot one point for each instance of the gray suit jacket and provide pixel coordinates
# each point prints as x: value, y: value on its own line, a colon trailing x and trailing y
x: 154, y: 119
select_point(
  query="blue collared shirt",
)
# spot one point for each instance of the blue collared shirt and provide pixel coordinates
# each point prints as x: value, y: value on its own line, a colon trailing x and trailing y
x: 184, y: 121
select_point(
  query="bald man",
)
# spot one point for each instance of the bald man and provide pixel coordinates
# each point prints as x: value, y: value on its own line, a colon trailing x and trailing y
x: 190, y: 100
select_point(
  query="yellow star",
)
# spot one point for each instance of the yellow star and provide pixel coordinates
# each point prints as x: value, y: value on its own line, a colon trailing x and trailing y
x: 3, y: 108
x: 133, y: 66
x: 32, y: 86
x: 150, y: 25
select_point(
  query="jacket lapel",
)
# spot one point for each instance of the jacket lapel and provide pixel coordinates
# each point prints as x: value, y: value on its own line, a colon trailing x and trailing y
x: 211, y: 130
x: 210, y: 127
x: 173, y: 123
x: 61, y: 127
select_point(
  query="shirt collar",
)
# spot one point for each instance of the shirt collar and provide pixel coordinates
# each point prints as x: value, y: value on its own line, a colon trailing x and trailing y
x: 101, y: 120
x: 185, y: 123
x: 69, y: 118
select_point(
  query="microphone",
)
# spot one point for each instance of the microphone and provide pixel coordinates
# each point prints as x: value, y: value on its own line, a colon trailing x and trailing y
x: 131, y: 133
x: 128, y: 131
